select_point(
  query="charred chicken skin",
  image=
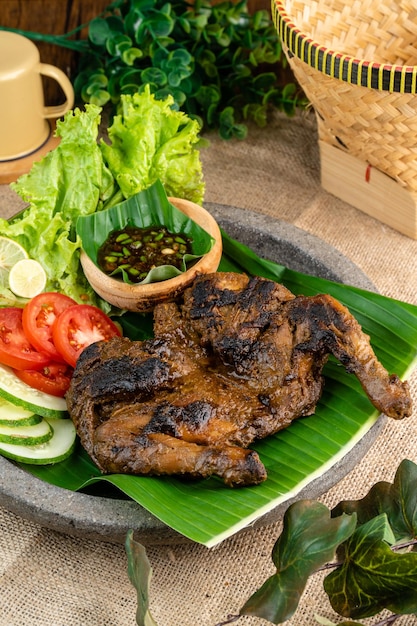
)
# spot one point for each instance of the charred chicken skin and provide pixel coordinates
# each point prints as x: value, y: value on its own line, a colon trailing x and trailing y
x: 237, y: 360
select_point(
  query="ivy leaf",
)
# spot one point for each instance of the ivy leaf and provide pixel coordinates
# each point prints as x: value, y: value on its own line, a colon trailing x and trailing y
x: 308, y: 541
x: 398, y: 500
x: 372, y: 576
x: 140, y: 573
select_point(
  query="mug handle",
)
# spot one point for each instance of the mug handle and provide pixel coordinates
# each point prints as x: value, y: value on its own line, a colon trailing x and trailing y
x: 66, y: 86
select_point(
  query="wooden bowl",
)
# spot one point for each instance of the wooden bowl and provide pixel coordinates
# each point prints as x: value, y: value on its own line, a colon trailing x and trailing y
x: 143, y: 298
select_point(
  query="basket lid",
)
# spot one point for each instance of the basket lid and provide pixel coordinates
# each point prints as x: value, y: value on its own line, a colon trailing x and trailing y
x: 336, y: 64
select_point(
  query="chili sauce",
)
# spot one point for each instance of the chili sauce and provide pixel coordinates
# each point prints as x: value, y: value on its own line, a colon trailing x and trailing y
x: 138, y: 250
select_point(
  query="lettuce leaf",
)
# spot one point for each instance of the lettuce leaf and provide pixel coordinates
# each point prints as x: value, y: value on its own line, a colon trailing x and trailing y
x: 69, y: 181
x: 151, y: 141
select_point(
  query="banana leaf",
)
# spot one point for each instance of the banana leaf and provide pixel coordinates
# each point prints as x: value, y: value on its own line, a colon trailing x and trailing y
x: 208, y: 512
x: 149, y: 207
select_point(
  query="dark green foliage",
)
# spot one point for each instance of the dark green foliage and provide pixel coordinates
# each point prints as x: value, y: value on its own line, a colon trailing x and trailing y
x: 375, y: 571
x: 308, y: 541
x: 373, y: 576
x: 221, y: 64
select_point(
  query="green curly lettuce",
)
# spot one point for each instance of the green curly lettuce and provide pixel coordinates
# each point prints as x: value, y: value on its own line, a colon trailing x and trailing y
x: 150, y: 141
x: 69, y: 181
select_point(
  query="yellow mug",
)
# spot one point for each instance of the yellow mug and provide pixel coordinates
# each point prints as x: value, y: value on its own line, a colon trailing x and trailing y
x: 24, y: 125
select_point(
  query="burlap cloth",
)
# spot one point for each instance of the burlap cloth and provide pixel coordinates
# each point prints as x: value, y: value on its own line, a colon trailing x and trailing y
x: 51, y: 579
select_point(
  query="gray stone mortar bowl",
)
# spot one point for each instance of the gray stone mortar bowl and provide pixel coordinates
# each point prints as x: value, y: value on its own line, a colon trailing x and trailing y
x: 109, y: 518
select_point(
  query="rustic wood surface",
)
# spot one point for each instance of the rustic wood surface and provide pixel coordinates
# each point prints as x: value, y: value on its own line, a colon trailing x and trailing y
x: 51, y: 17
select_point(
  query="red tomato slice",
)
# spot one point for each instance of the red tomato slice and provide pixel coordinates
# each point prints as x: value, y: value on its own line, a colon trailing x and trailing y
x: 39, y: 315
x: 54, y: 378
x: 78, y: 327
x: 15, y: 349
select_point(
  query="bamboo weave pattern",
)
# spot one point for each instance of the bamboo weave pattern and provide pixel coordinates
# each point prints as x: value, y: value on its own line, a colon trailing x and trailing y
x: 357, y: 64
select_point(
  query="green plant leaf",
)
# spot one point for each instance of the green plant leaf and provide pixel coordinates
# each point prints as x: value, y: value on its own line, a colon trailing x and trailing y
x: 223, y: 39
x: 97, y: 80
x: 398, y: 500
x: 99, y: 31
x: 99, y: 97
x: 177, y: 93
x: 130, y: 77
x: 264, y: 82
x: 176, y: 76
x: 372, y: 576
x: 179, y: 56
x: 228, y: 127
x: 154, y: 75
x: 207, y: 96
x: 102, y: 29
x: 142, y: 5
x: 140, y: 574
x: 308, y: 541
x: 159, y: 24
x: 130, y: 55
x: 133, y: 20
x: 256, y: 112
x: 118, y: 44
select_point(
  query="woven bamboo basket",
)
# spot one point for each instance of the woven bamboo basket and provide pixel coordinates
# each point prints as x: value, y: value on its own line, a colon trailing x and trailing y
x: 356, y: 61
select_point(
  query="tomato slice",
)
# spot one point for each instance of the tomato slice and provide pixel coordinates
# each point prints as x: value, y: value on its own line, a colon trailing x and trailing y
x: 15, y: 349
x: 78, y: 327
x: 39, y: 315
x: 54, y: 378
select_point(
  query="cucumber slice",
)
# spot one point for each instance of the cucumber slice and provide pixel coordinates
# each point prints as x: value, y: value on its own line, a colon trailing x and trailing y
x: 17, y: 392
x: 59, y: 448
x: 27, y: 435
x: 13, y: 415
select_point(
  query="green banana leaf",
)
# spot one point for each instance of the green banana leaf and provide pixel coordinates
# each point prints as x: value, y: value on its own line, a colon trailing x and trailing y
x: 208, y: 512
x: 149, y: 207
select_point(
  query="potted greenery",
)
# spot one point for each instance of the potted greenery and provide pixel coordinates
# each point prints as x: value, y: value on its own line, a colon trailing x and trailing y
x: 222, y: 64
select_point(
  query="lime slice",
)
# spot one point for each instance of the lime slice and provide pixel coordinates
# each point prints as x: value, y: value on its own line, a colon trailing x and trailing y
x: 27, y: 278
x: 10, y: 253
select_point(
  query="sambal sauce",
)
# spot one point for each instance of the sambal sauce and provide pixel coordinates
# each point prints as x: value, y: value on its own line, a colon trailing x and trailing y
x: 139, y: 250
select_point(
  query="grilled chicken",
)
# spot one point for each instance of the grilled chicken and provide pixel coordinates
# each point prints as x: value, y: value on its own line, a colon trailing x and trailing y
x: 237, y: 360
